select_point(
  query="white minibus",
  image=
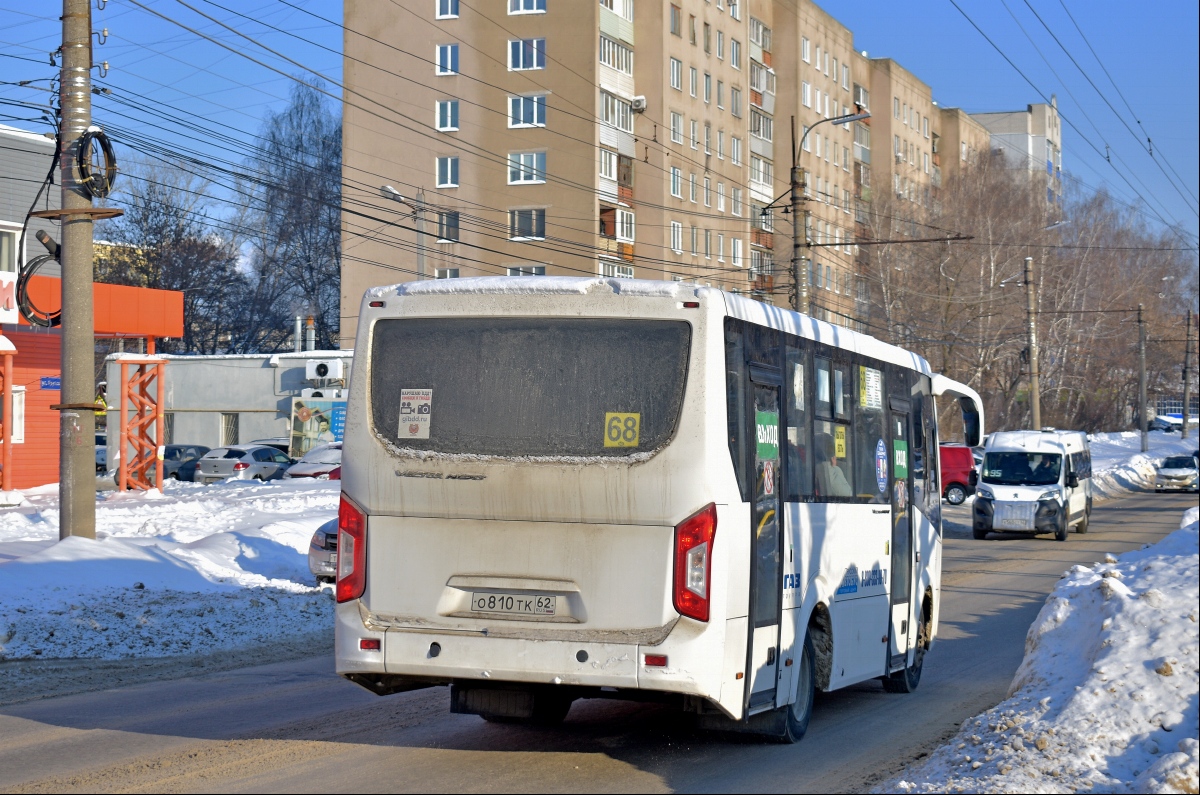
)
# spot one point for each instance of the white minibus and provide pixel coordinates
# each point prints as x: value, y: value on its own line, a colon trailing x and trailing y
x: 557, y: 488
x: 1034, y: 482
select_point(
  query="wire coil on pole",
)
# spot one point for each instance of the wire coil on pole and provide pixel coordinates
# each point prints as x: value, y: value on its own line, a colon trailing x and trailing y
x: 35, y: 316
x: 97, y: 181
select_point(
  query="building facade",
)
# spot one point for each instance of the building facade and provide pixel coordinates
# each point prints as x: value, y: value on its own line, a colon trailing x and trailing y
x: 1030, y: 139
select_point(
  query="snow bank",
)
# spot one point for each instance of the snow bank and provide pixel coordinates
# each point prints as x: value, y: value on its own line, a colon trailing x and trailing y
x: 1106, y: 699
x: 1119, y: 466
x: 194, y: 570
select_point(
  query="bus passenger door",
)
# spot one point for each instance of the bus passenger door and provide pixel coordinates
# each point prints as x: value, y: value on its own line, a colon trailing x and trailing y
x: 766, y: 557
x: 902, y: 539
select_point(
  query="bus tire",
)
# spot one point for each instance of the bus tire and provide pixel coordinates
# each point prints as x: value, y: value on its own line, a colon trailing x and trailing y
x: 906, y: 680
x: 798, y: 713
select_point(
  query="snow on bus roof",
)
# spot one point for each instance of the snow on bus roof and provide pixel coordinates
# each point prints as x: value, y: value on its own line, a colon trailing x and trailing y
x: 736, y: 306
x: 536, y: 285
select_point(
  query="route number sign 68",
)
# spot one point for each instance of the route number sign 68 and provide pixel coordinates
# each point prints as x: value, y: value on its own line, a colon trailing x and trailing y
x: 622, y: 430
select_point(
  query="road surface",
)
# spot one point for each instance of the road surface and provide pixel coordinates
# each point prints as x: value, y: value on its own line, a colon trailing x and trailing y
x: 296, y: 727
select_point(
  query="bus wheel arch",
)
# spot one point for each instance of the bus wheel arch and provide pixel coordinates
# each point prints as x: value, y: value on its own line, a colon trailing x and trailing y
x: 820, y: 629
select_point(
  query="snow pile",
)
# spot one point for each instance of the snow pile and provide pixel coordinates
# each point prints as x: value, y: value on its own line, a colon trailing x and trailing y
x: 194, y: 570
x: 1106, y: 699
x: 1119, y: 466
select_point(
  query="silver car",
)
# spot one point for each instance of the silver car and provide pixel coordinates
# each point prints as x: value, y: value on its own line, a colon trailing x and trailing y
x: 322, y: 552
x: 244, y: 462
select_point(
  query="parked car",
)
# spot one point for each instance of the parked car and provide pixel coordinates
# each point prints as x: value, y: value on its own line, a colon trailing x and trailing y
x: 318, y: 462
x: 180, y: 460
x: 322, y: 552
x: 101, y: 452
x: 244, y: 462
x: 1177, y: 472
x: 958, y: 472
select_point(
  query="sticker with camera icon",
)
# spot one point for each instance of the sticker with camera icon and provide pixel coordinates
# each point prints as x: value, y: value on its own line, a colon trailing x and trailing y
x: 416, y: 410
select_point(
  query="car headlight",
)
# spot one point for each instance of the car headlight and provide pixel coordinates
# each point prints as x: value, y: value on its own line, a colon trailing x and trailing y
x: 985, y: 493
x: 1052, y: 494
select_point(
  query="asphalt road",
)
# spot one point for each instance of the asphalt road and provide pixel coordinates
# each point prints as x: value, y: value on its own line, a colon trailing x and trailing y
x: 296, y: 727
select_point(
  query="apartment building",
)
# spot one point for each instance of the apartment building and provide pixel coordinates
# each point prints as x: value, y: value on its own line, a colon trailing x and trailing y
x: 1030, y: 139
x: 961, y: 141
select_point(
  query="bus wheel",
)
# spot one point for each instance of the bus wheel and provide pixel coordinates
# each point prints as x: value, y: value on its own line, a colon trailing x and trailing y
x: 956, y: 494
x: 799, y: 712
x: 906, y: 680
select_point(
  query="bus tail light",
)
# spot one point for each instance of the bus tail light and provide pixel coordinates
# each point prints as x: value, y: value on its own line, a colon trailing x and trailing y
x: 693, y: 562
x: 352, y: 551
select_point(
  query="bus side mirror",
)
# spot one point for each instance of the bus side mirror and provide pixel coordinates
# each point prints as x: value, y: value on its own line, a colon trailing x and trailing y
x: 973, y: 479
x: 970, y: 416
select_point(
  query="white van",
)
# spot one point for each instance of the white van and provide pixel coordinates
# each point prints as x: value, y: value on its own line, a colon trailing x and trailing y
x: 1034, y: 482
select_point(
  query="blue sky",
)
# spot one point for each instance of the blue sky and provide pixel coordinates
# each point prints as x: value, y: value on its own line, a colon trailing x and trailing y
x: 1150, y: 49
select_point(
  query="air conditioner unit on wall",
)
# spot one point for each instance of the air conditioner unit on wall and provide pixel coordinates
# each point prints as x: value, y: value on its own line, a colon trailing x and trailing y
x: 638, y: 104
x: 323, y: 393
x: 325, y: 369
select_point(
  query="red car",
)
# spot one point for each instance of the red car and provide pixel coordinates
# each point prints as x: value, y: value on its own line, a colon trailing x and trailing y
x: 958, y: 472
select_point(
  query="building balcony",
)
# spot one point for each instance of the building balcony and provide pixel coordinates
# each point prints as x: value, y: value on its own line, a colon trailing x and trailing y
x: 762, y: 283
x: 761, y: 237
x: 625, y: 194
x: 756, y: 98
x: 613, y: 248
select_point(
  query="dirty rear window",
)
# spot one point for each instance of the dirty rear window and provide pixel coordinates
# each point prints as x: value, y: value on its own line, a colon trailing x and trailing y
x: 528, y: 386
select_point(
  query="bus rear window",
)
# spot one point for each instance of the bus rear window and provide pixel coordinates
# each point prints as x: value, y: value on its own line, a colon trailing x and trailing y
x: 528, y: 386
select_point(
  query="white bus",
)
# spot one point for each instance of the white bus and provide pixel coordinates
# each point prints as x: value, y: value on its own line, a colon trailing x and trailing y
x: 559, y: 488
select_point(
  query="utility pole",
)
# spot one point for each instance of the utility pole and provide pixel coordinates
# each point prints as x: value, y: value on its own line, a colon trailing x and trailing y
x: 1142, y: 380
x: 1187, y: 383
x: 799, y: 228
x: 77, y: 424
x: 419, y: 215
x: 1035, y: 390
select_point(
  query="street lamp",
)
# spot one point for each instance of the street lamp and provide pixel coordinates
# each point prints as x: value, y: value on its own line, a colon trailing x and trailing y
x: 418, y: 213
x: 799, y: 220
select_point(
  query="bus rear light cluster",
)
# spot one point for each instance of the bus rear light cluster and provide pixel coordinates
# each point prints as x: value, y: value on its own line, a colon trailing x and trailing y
x: 352, y: 551
x: 693, y: 562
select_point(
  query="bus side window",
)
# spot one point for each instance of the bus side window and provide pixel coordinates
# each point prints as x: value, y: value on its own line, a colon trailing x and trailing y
x: 799, y: 423
x: 869, y: 435
x: 735, y: 397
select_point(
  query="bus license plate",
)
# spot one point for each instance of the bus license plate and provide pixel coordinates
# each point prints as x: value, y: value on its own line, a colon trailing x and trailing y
x: 520, y: 604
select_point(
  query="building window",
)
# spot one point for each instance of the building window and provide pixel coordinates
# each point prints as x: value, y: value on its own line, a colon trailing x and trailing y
x: 447, y: 172
x: 735, y: 201
x: 694, y: 79
x: 925, y: 126
x: 735, y: 9
x: 896, y: 107
x: 707, y: 139
x: 447, y: 9
x: 735, y: 253
x: 447, y: 59
x: 707, y: 192
x: 445, y: 273
x: 720, y: 197
x: 676, y: 74
x: 735, y: 102
x: 608, y: 164
x: 735, y: 53
x: 708, y: 244
x: 526, y: 54
x: 676, y: 21
x: 761, y: 126
x: 806, y: 94
x: 707, y: 87
x: 526, y: 167
x: 692, y: 188
x: 925, y: 155
x: 762, y: 171
x: 616, y: 55
x: 527, y: 111
x: 448, y: 226
x: 527, y: 270
x: 720, y: 45
x: 695, y: 134
x: 616, y: 112
x: 229, y: 429
x: 625, y: 226
x: 735, y: 150
x: 720, y: 144
x: 760, y: 34
x: 804, y: 51
x: 447, y: 114
x: 720, y: 93
x: 695, y: 241
x: 677, y: 182
x: 845, y: 77
x: 168, y: 428
x: 676, y: 127
x: 692, y: 28
x: 527, y: 224
x: 707, y: 37
x: 622, y: 8
x: 525, y: 6
x: 677, y: 237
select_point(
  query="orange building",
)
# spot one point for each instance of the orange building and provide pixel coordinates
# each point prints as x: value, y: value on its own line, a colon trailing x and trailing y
x: 120, y: 311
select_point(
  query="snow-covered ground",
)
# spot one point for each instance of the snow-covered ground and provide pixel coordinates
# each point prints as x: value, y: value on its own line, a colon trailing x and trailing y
x: 1119, y: 466
x: 193, y: 570
x: 1107, y: 698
